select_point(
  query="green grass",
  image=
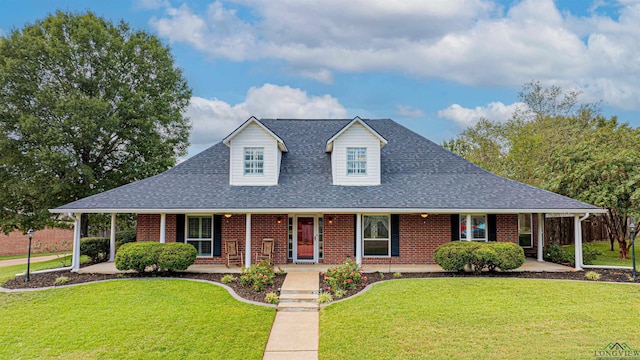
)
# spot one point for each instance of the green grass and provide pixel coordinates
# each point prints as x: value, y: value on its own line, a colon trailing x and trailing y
x: 476, y: 318
x: 137, y: 319
x: 9, y: 272
x: 608, y: 257
x: 11, y: 257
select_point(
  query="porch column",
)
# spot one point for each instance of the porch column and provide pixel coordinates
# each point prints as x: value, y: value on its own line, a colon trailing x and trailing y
x: 540, y: 236
x: 247, y: 241
x: 578, y: 241
x: 112, y: 242
x: 359, y: 239
x: 75, y: 258
x: 163, y: 228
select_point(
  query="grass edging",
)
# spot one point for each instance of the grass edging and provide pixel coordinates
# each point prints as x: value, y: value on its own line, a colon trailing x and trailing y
x: 230, y: 290
x: 366, y: 288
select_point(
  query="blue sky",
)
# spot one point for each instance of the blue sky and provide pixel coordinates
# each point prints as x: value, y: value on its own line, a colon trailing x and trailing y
x: 434, y: 66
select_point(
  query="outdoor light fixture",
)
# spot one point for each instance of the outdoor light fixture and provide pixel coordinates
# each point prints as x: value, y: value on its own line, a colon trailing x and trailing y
x: 330, y: 220
x: 30, y: 236
x: 227, y: 215
x: 632, y: 229
x: 279, y: 219
x: 424, y: 216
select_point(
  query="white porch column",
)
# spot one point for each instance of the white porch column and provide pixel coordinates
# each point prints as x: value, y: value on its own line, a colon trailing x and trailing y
x: 578, y: 241
x: 359, y: 239
x: 163, y: 228
x: 112, y: 242
x: 75, y: 258
x: 247, y: 241
x: 540, y: 236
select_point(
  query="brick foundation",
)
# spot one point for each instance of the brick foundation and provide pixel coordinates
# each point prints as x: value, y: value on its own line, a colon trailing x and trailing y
x: 419, y: 237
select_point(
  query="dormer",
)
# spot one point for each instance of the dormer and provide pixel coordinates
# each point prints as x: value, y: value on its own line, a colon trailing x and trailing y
x: 355, y: 154
x: 255, y: 153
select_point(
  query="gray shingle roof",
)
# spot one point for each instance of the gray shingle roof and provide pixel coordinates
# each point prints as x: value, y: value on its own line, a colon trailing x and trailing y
x: 416, y: 174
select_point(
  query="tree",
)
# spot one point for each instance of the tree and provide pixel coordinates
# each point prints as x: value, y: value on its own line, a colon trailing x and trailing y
x: 86, y: 106
x: 601, y: 168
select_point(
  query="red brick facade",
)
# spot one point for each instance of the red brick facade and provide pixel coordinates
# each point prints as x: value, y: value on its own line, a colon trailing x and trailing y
x: 15, y: 243
x: 418, y: 237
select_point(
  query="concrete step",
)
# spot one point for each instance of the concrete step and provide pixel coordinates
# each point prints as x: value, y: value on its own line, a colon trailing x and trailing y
x: 298, y: 297
x: 298, y: 306
x: 296, y: 292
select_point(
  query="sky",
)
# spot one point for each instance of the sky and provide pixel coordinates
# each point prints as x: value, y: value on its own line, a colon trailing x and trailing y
x: 434, y: 66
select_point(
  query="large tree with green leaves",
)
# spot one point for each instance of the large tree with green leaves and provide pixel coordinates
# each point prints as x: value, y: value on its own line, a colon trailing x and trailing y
x: 85, y: 106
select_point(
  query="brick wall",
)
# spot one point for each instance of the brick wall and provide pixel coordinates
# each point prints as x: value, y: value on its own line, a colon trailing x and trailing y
x: 15, y: 243
x: 507, y: 228
x: 338, y: 238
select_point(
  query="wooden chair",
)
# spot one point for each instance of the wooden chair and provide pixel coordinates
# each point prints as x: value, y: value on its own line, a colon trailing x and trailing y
x: 233, y: 255
x: 267, y: 251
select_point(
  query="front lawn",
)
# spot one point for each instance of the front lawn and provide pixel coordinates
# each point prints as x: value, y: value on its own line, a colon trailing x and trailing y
x: 9, y: 272
x: 475, y: 318
x: 608, y: 257
x: 150, y: 319
x: 24, y: 256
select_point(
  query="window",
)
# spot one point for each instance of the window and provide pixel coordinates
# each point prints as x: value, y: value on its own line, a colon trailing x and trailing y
x: 376, y: 235
x: 253, y: 161
x: 290, y: 241
x: 356, y: 161
x: 320, y: 237
x: 525, y: 238
x: 478, y: 227
x: 199, y: 231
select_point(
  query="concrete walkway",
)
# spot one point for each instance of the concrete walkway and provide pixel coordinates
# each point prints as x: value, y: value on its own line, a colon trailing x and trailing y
x: 35, y: 259
x: 294, y: 334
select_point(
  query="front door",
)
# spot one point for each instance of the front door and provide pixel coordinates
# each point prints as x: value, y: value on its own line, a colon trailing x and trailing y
x: 305, y: 239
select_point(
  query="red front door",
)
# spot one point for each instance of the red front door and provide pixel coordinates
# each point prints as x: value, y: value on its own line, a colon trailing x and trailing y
x: 305, y: 238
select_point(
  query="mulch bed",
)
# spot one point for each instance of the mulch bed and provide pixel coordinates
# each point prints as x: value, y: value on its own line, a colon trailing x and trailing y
x: 48, y: 279
x: 608, y: 275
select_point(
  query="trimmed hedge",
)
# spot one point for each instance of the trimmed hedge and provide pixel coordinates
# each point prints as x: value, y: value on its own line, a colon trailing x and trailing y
x: 96, y: 248
x: 140, y: 256
x: 124, y: 237
x: 480, y: 255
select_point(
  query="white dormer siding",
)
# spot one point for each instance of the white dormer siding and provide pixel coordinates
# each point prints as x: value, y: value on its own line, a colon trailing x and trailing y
x: 253, y: 139
x: 356, y: 137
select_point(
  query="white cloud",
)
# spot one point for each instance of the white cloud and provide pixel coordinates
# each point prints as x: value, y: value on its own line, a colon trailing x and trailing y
x: 465, y: 117
x: 408, y: 111
x: 213, y: 119
x: 151, y: 4
x: 473, y: 42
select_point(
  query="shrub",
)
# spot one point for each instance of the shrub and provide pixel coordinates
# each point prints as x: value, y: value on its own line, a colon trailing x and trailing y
x: 397, y: 274
x: 509, y: 256
x: 61, y: 280
x: 258, y: 276
x: 589, y: 254
x: 95, y: 248
x: 125, y: 237
x: 454, y: 255
x: 228, y: 279
x: 556, y: 254
x: 176, y: 256
x: 271, y: 298
x: 491, y: 255
x: 592, y: 275
x: 139, y: 256
x: 325, y: 297
x: 344, y: 276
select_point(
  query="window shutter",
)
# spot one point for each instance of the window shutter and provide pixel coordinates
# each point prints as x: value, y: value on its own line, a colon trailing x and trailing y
x: 355, y: 234
x: 180, y: 228
x: 455, y: 227
x: 217, y: 235
x: 395, y: 235
x: 491, y: 227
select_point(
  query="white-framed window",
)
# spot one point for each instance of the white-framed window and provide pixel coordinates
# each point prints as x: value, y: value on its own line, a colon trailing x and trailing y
x: 525, y: 235
x: 253, y: 160
x: 200, y: 233
x: 473, y: 227
x: 356, y: 161
x: 376, y: 235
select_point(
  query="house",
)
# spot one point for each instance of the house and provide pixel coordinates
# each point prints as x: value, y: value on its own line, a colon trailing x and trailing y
x: 327, y: 190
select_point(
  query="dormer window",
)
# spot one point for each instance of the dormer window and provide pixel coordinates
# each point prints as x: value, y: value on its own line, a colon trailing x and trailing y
x: 253, y: 160
x: 356, y: 161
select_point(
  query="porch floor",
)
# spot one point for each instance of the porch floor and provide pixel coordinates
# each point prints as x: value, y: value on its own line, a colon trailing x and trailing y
x: 531, y: 265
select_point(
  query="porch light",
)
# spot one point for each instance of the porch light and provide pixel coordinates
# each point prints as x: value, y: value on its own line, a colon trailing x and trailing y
x: 424, y: 216
x: 227, y: 215
x: 330, y: 220
x: 30, y: 236
x: 279, y: 220
x: 632, y: 229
